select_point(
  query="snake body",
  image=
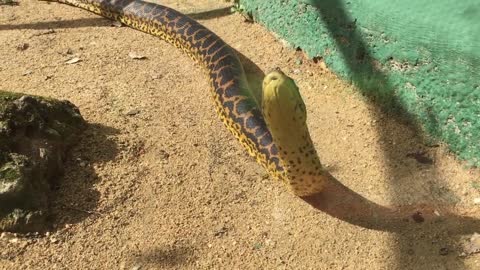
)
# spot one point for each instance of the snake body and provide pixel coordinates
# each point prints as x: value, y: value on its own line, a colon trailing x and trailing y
x: 234, y: 102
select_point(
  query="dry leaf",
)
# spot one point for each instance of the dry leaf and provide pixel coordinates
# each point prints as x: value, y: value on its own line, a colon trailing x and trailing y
x: 135, y: 55
x: 47, y: 32
x: 27, y: 72
x: 73, y: 61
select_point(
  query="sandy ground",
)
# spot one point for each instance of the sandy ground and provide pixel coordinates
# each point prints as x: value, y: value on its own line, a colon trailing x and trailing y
x: 157, y: 182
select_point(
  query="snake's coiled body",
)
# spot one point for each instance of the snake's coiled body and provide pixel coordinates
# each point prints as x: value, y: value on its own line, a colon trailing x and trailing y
x: 233, y: 99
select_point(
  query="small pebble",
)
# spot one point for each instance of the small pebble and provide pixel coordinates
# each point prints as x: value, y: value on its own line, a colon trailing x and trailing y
x: 221, y: 231
x: 443, y: 251
x: 133, y: 112
x: 14, y: 240
x: 270, y: 243
x: 323, y: 65
x: 163, y: 154
x: 418, y: 217
x: 285, y: 43
x: 22, y: 46
x: 476, y: 200
x: 27, y: 72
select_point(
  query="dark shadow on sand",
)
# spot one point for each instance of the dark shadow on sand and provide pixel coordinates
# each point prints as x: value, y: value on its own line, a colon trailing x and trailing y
x: 75, y: 198
x: 63, y: 24
x: 417, y: 227
x: 211, y: 14
x: 167, y: 257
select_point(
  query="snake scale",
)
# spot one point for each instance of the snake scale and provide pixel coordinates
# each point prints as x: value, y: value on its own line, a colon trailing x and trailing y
x: 282, y: 144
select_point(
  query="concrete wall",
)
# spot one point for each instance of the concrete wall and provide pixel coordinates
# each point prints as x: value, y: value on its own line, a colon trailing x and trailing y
x: 417, y: 56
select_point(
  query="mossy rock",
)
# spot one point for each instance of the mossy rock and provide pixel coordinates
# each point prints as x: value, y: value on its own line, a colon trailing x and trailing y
x: 35, y: 134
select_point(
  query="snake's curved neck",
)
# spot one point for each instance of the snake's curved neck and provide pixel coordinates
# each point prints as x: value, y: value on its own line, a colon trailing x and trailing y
x: 234, y: 102
x: 285, y: 113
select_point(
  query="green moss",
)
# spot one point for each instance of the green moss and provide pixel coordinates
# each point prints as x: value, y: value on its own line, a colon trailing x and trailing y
x: 5, y: 98
x: 8, y: 174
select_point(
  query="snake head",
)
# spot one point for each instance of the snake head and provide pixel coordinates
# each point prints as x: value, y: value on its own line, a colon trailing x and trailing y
x: 282, y: 104
x: 285, y: 115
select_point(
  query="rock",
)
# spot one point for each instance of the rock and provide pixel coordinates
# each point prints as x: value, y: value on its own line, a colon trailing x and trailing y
x: 35, y: 134
x: 221, y: 231
x: 472, y: 246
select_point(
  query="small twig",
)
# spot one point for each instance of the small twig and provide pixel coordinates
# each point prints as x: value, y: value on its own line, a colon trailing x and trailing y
x: 48, y: 32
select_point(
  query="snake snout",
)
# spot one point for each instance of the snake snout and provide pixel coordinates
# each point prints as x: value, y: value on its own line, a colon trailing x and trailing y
x: 276, y: 76
x: 276, y: 69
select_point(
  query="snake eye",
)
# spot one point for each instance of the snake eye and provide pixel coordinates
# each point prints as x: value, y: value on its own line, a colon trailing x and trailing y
x: 274, y: 78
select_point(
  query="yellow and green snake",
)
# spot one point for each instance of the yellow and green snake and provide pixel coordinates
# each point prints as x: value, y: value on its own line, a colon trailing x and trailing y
x: 276, y: 134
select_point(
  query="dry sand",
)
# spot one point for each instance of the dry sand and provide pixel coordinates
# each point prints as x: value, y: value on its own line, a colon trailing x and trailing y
x: 157, y: 182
